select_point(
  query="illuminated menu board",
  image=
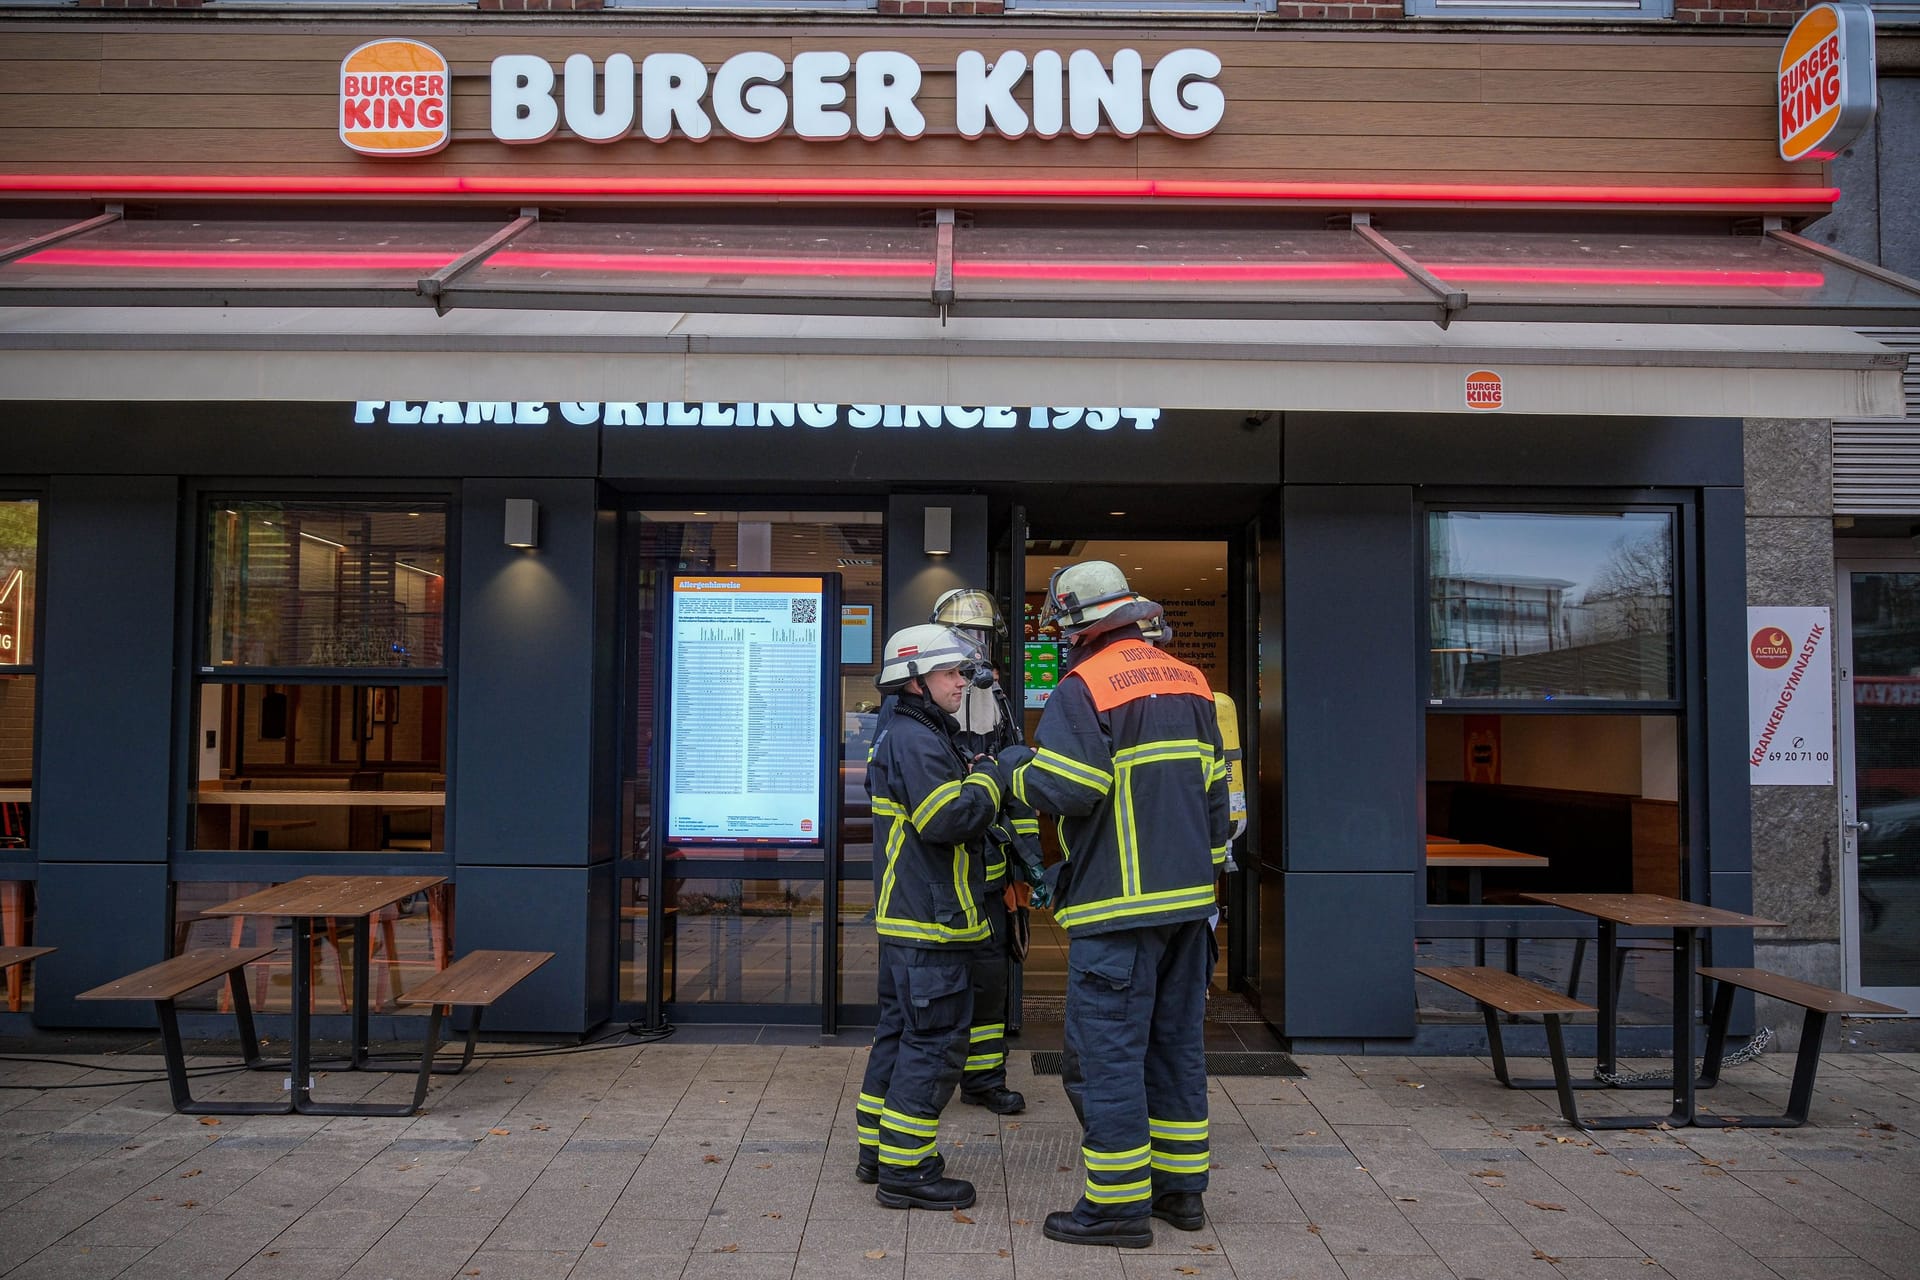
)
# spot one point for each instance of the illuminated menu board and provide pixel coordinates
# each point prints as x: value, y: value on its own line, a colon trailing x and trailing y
x: 1042, y: 672
x: 744, y: 746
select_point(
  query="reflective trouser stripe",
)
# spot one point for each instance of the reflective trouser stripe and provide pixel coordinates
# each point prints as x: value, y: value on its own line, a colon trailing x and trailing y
x: 1179, y: 1146
x: 1112, y: 1175
x: 867, y: 1119
x: 906, y: 1140
x: 987, y: 1048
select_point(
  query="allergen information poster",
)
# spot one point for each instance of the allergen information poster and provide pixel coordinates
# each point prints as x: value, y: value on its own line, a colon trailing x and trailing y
x: 743, y: 752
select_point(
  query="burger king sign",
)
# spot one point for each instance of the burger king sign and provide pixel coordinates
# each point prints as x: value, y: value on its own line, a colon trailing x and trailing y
x: 393, y: 99
x: 1827, y: 91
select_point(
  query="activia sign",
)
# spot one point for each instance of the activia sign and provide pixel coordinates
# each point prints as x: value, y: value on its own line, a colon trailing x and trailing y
x: 393, y: 92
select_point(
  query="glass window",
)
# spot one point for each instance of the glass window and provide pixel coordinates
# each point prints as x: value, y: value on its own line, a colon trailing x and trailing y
x: 1550, y: 607
x: 326, y: 584
x: 352, y: 763
x: 744, y: 941
x: 1513, y: 10
x: 16, y: 930
x: 19, y: 682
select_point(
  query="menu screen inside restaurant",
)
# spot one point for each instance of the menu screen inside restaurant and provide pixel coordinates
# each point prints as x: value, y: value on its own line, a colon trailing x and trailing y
x: 744, y: 747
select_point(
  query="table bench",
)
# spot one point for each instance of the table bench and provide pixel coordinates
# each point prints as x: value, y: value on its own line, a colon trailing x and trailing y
x: 1496, y: 992
x: 1818, y: 1003
x: 474, y: 981
x: 165, y: 983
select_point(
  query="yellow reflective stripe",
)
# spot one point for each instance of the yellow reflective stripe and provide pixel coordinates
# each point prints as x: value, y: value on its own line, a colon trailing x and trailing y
x: 870, y: 1103
x: 1100, y: 1193
x: 919, y: 931
x: 980, y: 1062
x: 868, y: 1136
x: 1219, y: 772
x: 988, y: 1031
x: 987, y: 780
x: 905, y: 1155
x: 1145, y: 904
x: 936, y: 800
x: 896, y: 838
x: 1166, y: 749
x: 1126, y: 834
x: 1115, y: 1161
x: 1183, y: 1164
x: 888, y: 808
x: 910, y: 1124
x: 996, y: 869
x: 1219, y: 854
x: 1072, y: 770
x: 1178, y: 1130
x: 969, y: 910
x: 1026, y: 826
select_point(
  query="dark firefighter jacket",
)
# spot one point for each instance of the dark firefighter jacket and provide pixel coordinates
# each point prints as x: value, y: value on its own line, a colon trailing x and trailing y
x: 1128, y: 755
x: 929, y: 815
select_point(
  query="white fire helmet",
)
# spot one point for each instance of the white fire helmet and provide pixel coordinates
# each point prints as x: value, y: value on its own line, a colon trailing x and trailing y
x: 1084, y: 593
x: 921, y: 650
x: 966, y: 607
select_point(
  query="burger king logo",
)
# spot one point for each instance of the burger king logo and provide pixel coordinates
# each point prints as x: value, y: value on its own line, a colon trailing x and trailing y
x: 393, y: 99
x: 1484, y: 390
x: 1827, y: 94
x: 1771, y: 648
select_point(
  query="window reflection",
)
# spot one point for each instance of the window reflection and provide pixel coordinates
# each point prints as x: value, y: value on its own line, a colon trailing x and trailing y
x: 16, y: 930
x: 326, y: 584
x: 1541, y: 607
x: 745, y: 941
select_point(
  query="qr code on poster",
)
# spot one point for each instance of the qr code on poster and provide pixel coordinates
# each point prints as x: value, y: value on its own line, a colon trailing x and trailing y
x: 806, y: 610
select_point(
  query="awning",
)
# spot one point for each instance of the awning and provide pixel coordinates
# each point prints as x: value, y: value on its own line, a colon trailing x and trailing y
x: 1283, y: 264
x: 340, y: 354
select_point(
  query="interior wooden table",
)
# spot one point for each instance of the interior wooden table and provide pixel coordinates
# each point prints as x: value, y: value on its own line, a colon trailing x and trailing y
x: 1476, y: 858
x: 1648, y: 911
x: 302, y: 902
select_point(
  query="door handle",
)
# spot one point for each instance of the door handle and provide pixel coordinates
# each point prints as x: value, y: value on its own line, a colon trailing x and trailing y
x: 1858, y: 826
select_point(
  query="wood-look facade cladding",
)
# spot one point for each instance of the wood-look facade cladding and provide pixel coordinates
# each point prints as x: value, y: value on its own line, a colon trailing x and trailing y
x: 236, y: 95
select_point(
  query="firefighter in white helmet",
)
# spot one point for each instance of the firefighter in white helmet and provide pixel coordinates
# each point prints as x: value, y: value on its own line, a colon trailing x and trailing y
x: 1129, y: 756
x: 930, y: 812
x: 988, y: 727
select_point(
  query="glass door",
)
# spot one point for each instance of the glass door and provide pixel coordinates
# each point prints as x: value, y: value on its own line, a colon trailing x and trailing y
x: 1879, y: 724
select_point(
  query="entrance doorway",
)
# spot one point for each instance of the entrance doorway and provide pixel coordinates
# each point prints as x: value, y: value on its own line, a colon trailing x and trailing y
x: 1191, y: 580
x: 1879, y: 731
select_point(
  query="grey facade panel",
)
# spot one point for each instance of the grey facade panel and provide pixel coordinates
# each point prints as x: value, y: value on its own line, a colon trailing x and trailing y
x: 119, y: 911
x: 1616, y: 452
x: 1353, y: 719
x: 107, y: 660
x: 565, y: 910
x: 523, y: 709
x: 1347, y: 949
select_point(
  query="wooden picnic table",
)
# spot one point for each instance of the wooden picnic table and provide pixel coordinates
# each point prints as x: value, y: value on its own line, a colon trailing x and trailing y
x: 321, y: 897
x: 1651, y: 911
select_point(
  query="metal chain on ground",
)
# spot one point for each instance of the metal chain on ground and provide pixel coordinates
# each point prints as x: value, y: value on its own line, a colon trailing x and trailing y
x: 1745, y: 1053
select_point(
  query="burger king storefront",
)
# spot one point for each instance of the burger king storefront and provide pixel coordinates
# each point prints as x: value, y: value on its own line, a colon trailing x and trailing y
x: 384, y: 435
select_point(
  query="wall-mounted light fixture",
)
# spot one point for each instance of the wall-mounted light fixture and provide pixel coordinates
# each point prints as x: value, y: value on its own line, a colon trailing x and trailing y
x: 938, y: 538
x: 523, y: 523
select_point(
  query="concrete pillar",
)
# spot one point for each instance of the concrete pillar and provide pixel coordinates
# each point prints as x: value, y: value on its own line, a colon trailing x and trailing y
x: 1796, y: 841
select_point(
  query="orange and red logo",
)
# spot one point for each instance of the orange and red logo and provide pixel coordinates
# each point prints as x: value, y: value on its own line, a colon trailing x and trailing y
x: 1827, y: 92
x: 1484, y: 390
x: 1771, y: 648
x: 394, y: 99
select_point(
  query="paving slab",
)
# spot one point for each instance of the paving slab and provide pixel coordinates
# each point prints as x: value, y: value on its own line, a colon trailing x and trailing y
x: 734, y: 1161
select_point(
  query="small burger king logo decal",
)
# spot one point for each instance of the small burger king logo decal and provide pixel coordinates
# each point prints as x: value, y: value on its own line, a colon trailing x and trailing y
x: 393, y: 99
x: 1484, y: 390
x: 1771, y: 648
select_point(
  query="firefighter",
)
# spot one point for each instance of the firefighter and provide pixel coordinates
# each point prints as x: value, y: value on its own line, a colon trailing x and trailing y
x: 987, y: 727
x: 1129, y: 757
x: 930, y: 812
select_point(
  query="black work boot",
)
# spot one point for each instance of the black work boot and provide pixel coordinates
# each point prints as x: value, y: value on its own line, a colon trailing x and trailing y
x: 941, y: 1193
x: 1127, y: 1233
x: 1000, y: 1100
x: 1182, y: 1208
x: 868, y: 1170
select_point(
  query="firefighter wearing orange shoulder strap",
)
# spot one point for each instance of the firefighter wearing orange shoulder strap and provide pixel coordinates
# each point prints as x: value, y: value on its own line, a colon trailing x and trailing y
x: 1129, y: 757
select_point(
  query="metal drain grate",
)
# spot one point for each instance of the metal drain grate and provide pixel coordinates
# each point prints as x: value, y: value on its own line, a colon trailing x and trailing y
x: 1046, y: 1062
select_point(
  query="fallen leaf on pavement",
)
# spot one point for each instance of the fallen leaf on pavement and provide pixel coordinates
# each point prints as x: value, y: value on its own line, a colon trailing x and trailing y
x: 1187, y: 1271
x: 499, y: 1133
x: 1023, y: 1222
x: 541, y: 1128
x: 728, y: 1248
x: 191, y: 1173
x: 710, y: 1158
x: 1548, y: 1205
x: 876, y: 1253
x: 599, y: 1244
x: 209, y: 1120
x: 770, y: 1215
x: 189, y: 1204
x: 763, y: 1166
x: 961, y: 1217
x: 1544, y: 1257
x: 1003, y: 1253
x: 1408, y: 1199
x: 1203, y: 1248
x: 1313, y: 1229
x: 1063, y: 1168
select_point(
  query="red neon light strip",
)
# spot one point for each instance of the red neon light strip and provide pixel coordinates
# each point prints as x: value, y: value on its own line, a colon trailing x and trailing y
x: 1103, y: 272
x: 1362, y: 193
